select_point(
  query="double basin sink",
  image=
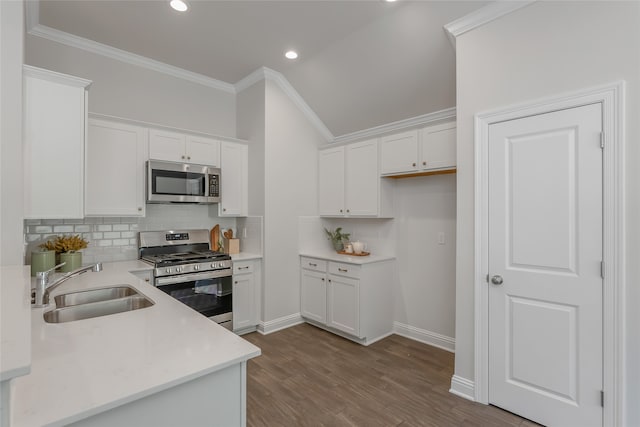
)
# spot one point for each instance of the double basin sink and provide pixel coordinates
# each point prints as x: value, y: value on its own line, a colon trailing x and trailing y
x: 96, y: 303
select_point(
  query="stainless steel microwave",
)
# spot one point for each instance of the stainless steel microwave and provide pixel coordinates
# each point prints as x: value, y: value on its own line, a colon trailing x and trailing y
x: 172, y: 182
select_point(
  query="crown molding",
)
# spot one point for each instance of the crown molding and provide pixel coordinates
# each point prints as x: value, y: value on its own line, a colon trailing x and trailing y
x: 264, y: 73
x: 425, y: 119
x: 54, y: 76
x: 482, y: 16
x: 124, y: 56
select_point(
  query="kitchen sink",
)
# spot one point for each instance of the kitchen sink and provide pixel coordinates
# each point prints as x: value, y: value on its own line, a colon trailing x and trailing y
x: 90, y: 310
x: 94, y: 295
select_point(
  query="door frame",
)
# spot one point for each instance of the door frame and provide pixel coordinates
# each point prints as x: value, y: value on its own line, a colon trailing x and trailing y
x: 611, y: 97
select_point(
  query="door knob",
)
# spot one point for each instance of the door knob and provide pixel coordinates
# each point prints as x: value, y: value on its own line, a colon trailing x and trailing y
x: 496, y: 280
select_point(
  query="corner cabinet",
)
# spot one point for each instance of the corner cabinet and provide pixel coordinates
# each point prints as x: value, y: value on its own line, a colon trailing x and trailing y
x: 352, y: 300
x: 246, y: 274
x: 115, y: 178
x: 419, y: 152
x: 55, y: 115
x: 349, y: 182
x: 234, y: 179
x: 181, y: 147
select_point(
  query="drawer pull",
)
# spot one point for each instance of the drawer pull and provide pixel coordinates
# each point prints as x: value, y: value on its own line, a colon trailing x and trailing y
x: 323, y: 279
x: 243, y: 268
x: 344, y: 270
x: 313, y: 265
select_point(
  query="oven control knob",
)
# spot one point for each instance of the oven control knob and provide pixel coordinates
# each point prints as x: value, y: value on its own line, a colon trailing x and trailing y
x: 178, y: 269
x: 196, y: 267
x: 168, y: 271
x: 213, y: 265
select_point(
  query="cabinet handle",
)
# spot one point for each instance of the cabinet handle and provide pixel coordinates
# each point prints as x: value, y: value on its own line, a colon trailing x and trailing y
x: 139, y: 209
x: 182, y: 157
x: 344, y: 270
x: 243, y: 268
x: 313, y: 265
x: 224, y: 209
x: 323, y: 279
x: 328, y: 280
x: 340, y: 210
x: 348, y: 211
x: 188, y: 157
x: 236, y: 282
x: 414, y: 165
x: 424, y: 163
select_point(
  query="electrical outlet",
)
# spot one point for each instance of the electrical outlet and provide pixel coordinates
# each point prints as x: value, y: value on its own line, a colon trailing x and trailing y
x: 441, y: 238
x: 244, y: 232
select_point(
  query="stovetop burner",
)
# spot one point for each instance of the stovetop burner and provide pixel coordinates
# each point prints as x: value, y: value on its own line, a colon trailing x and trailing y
x: 164, y: 260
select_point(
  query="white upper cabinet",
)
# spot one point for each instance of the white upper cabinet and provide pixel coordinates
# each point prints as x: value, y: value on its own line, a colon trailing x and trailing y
x: 55, y: 114
x: 115, y: 165
x: 331, y: 181
x: 438, y: 147
x: 349, y: 182
x: 399, y: 153
x: 181, y: 147
x: 234, y: 177
x: 430, y: 149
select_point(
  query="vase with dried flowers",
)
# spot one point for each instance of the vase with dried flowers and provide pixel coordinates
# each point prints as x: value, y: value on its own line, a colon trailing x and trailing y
x: 68, y: 249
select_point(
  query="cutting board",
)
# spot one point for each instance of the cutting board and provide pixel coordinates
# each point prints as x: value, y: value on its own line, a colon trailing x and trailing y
x: 215, y: 238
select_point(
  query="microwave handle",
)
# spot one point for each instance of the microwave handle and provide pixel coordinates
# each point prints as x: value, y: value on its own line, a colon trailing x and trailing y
x: 172, y: 280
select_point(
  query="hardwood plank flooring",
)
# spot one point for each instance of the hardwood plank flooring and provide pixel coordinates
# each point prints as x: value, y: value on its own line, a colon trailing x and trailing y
x: 309, y: 377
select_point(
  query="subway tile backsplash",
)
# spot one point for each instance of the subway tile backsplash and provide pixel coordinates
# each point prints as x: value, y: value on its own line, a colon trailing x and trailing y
x: 116, y: 238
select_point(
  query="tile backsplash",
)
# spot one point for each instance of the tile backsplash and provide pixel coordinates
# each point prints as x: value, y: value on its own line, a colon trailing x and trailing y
x: 116, y: 238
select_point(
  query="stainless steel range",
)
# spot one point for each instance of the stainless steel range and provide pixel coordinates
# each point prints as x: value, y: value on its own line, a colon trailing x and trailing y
x: 185, y: 268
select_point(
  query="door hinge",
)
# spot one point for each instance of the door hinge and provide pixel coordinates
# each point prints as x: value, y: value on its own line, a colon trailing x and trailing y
x: 602, y: 269
x: 601, y: 139
x: 602, y: 398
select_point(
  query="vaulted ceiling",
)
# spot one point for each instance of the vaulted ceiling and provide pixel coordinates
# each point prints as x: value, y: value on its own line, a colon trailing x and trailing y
x: 362, y: 63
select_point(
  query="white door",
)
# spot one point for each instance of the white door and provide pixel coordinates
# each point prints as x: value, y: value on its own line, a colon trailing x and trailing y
x: 203, y: 151
x: 243, y: 287
x: 233, y: 179
x: 362, y: 178
x: 399, y: 153
x: 313, y: 295
x: 165, y: 145
x: 331, y: 182
x: 545, y: 253
x: 343, y: 304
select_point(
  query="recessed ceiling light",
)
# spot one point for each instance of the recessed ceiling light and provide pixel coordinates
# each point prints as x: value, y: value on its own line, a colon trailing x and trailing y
x: 291, y: 54
x: 179, y: 5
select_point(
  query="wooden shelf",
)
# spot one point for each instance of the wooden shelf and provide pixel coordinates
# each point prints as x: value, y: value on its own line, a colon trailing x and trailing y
x: 425, y: 173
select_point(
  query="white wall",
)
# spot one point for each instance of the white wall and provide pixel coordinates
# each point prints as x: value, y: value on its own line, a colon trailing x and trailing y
x: 424, y: 207
x: 250, y: 118
x: 11, y: 59
x: 291, y: 145
x: 124, y: 90
x: 542, y: 50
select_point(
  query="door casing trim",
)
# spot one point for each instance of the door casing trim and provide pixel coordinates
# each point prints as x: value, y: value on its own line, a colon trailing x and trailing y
x: 611, y: 96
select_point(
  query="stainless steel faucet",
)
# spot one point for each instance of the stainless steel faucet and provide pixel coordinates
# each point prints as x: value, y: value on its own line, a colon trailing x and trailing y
x: 44, y: 288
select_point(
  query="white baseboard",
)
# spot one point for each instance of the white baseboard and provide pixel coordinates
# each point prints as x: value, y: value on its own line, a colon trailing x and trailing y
x: 463, y: 387
x: 280, y: 323
x: 427, y: 337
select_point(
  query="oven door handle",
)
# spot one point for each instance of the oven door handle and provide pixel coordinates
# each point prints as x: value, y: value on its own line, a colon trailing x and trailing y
x: 172, y: 280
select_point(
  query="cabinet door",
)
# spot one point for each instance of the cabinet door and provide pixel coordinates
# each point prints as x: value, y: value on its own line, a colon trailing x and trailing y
x: 203, y: 151
x: 165, y: 145
x: 243, y: 301
x: 116, y: 155
x: 331, y: 182
x: 343, y: 303
x: 233, y: 180
x: 399, y: 153
x: 54, y: 136
x: 313, y: 295
x: 438, y: 145
x: 362, y: 179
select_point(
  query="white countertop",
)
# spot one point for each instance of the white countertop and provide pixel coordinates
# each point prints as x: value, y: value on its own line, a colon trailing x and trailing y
x: 359, y: 260
x: 245, y: 256
x: 15, y: 322
x: 82, y: 368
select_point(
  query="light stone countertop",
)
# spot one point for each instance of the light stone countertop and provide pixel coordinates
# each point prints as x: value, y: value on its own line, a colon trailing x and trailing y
x: 15, y: 322
x: 348, y: 259
x: 82, y: 368
x: 245, y: 256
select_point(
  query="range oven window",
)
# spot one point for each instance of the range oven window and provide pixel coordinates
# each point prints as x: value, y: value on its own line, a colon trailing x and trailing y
x: 178, y: 183
x: 210, y: 297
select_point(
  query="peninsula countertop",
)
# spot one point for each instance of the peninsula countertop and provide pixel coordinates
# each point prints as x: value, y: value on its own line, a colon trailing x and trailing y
x: 84, y: 367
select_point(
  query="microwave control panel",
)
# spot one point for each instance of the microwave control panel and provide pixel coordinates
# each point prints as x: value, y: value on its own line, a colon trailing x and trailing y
x: 214, y: 185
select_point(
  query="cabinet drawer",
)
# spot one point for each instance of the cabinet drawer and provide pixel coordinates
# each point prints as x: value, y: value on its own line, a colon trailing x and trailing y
x: 242, y: 268
x: 347, y: 270
x: 313, y: 264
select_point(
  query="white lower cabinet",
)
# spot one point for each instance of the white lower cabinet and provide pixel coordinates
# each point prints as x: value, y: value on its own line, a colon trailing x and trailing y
x: 353, y: 300
x: 245, y: 276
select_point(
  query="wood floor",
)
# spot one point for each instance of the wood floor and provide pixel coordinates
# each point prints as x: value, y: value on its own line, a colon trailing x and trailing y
x: 309, y: 377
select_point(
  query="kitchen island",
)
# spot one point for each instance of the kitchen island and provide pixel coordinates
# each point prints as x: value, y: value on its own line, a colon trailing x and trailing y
x: 163, y: 365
